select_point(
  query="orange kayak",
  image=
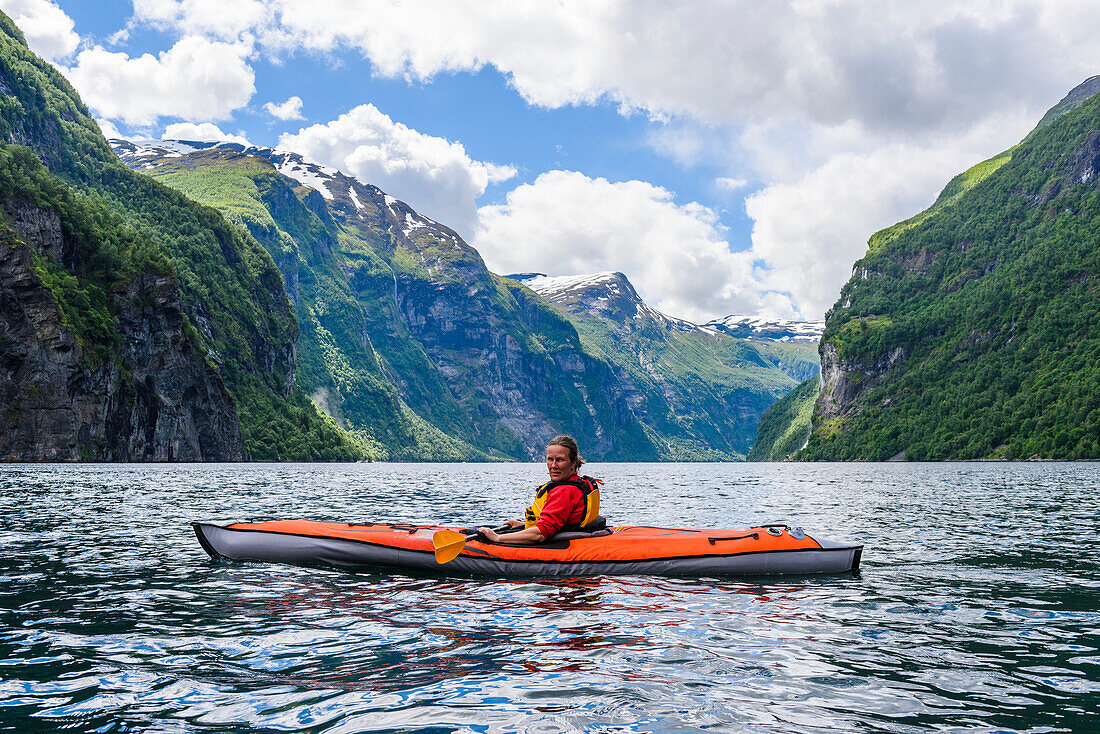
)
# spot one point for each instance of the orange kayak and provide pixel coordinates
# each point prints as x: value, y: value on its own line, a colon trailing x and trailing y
x: 764, y: 550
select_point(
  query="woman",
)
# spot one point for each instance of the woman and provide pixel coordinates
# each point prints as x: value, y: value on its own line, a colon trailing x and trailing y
x: 567, y: 502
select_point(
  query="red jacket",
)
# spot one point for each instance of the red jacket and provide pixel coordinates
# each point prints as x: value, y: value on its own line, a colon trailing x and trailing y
x: 564, y: 506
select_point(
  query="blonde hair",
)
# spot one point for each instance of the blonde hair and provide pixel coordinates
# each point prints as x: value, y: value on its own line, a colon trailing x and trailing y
x: 571, y: 446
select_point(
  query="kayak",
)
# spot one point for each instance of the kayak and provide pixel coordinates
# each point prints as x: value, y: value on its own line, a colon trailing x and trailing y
x: 760, y: 551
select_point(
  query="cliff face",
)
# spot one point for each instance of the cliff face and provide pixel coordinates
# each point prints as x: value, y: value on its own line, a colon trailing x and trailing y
x: 844, y: 380
x: 137, y: 243
x: 968, y: 331
x: 156, y: 400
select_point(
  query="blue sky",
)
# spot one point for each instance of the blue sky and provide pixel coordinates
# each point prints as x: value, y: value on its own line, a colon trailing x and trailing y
x: 729, y: 157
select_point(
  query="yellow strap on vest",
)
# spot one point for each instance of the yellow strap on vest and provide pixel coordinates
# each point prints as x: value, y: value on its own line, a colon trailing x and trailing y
x: 531, y: 517
x: 591, y: 507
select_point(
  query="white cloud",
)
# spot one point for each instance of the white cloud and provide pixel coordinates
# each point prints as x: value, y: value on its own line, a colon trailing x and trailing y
x: 289, y: 110
x: 568, y: 224
x: 731, y: 184
x: 851, y: 114
x: 217, y: 18
x: 48, y: 30
x: 196, y: 79
x: 894, y: 65
x: 109, y: 130
x: 206, y: 131
x: 798, y: 95
x: 807, y: 232
x: 433, y: 175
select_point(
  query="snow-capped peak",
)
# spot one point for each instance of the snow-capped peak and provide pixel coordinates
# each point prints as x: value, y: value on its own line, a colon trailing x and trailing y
x: 551, y: 287
x: 608, y: 294
x: 144, y: 152
x: 612, y: 295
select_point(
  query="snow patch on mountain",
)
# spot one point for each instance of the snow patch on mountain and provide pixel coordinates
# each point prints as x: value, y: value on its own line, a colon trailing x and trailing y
x: 355, y: 199
x: 775, y: 330
x: 551, y: 287
x: 327, y: 181
x: 413, y: 223
x: 308, y: 174
x: 145, y: 153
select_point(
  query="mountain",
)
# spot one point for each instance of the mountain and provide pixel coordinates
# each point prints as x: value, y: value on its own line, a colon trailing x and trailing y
x: 288, y: 205
x: 698, y: 391
x: 969, y: 331
x: 137, y: 325
x: 789, y: 345
x: 407, y: 338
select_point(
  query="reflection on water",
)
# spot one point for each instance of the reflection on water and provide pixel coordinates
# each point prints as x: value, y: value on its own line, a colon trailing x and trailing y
x: 976, y: 608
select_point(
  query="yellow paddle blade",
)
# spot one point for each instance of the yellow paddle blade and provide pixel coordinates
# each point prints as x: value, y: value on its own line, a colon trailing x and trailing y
x: 448, y: 544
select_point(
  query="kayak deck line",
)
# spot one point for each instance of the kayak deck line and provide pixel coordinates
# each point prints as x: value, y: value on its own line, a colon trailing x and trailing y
x: 633, y: 550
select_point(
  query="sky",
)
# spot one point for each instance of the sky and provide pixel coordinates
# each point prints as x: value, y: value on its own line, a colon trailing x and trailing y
x: 729, y: 157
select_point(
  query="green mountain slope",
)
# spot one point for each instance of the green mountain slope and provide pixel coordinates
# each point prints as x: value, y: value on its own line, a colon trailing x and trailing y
x: 233, y: 304
x: 96, y: 361
x: 970, y: 332
x: 785, y: 427
x: 406, y: 336
x: 698, y: 392
x: 337, y: 363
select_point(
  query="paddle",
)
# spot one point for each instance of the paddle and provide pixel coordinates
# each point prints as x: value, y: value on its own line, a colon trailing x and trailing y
x: 448, y: 544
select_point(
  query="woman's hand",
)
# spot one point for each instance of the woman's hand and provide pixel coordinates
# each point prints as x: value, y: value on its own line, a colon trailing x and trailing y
x: 515, y: 523
x: 523, y: 537
x: 489, y: 533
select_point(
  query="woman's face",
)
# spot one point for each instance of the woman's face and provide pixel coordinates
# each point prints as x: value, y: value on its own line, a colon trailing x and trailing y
x: 558, y: 463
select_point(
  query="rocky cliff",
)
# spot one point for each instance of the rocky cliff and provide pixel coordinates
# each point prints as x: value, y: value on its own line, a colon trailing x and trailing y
x: 149, y: 396
x: 151, y: 275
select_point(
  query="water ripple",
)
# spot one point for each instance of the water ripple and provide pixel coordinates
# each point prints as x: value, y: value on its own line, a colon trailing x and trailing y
x: 976, y: 609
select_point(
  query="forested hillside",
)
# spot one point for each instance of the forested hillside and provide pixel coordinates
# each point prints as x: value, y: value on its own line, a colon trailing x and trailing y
x: 970, y: 331
x: 233, y: 311
x: 785, y: 427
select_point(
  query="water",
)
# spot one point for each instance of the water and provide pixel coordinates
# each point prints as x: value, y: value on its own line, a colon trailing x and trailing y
x: 976, y: 608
